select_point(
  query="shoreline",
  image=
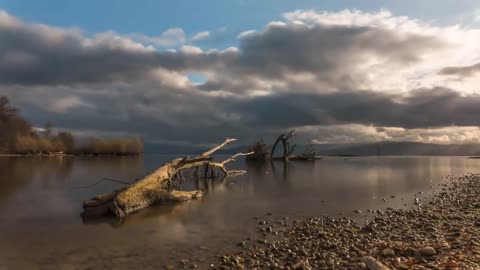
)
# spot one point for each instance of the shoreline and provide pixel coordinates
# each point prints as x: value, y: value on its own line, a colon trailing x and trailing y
x: 442, y: 232
x: 66, y: 155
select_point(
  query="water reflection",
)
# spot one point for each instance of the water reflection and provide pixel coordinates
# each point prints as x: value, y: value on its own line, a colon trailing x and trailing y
x: 40, y: 205
x: 17, y: 173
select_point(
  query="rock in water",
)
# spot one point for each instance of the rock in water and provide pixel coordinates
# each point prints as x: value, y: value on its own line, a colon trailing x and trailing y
x: 373, y: 264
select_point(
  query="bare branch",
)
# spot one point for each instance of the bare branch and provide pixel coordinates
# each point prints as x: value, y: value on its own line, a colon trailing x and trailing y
x: 216, y: 148
x: 236, y: 172
x: 290, y: 134
x: 291, y: 150
x: 194, y: 160
x: 235, y: 156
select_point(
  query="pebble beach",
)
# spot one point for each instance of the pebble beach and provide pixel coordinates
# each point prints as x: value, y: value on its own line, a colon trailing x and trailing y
x: 442, y: 232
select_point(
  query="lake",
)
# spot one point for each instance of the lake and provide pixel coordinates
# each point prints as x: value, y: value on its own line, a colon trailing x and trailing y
x: 41, y: 201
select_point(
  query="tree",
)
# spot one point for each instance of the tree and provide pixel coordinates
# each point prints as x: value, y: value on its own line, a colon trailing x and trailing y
x: 67, y: 140
x: 287, y: 149
x: 11, y: 125
x: 5, y: 108
x: 47, y: 130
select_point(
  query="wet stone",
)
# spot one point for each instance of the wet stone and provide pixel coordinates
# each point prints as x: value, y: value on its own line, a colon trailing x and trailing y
x: 388, y: 252
x: 428, y: 251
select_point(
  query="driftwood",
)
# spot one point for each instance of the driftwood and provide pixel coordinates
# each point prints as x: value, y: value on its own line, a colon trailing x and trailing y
x: 287, y: 149
x: 159, y: 186
x: 309, y: 154
x: 261, y: 150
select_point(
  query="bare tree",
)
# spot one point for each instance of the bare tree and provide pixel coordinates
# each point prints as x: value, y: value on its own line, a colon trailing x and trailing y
x: 287, y: 150
x: 47, y: 130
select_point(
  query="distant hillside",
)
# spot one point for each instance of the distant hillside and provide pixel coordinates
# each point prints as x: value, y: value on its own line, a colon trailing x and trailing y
x: 363, y: 149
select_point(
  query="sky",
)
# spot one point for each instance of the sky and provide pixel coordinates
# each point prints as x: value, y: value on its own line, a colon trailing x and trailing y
x: 194, y: 72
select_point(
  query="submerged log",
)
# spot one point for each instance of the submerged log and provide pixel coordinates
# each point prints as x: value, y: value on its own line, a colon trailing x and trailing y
x: 157, y: 187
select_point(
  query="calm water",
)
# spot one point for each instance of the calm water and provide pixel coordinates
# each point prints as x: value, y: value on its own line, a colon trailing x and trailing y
x: 40, y: 206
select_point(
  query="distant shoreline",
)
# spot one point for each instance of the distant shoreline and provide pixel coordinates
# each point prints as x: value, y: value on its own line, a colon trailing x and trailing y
x: 71, y: 155
x: 10, y: 155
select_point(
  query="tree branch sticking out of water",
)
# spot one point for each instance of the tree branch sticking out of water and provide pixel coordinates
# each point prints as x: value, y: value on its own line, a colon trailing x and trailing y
x: 158, y: 186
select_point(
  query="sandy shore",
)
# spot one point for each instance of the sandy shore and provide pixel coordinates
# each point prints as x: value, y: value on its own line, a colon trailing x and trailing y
x: 441, y: 233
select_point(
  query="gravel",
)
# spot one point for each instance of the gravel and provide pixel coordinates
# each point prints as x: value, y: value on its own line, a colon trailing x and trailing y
x: 442, y: 233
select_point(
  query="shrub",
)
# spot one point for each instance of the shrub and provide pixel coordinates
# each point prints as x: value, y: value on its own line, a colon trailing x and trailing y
x: 261, y: 151
x: 116, y: 146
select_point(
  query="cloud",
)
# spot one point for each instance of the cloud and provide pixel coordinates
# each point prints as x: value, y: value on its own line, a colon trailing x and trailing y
x: 355, y: 133
x: 200, y: 36
x: 32, y: 54
x: 189, y: 49
x: 464, y: 72
x: 345, y: 76
x: 169, y: 38
x: 246, y: 33
x: 423, y: 108
x: 64, y: 104
x: 336, y: 57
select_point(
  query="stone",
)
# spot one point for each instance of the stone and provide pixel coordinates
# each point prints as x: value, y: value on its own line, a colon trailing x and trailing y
x: 388, y: 252
x: 368, y: 229
x: 373, y: 264
x: 428, y: 251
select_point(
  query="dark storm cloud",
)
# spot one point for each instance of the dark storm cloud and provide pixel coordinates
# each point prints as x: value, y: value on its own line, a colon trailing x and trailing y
x: 463, y: 72
x: 205, y: 119
x: 424, y: 108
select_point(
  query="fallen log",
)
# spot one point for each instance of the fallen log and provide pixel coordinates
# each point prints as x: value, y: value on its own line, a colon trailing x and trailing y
x: 159, y: 186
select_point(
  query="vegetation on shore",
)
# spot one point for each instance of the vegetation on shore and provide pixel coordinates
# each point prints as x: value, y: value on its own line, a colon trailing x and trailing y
x: 17, y: 136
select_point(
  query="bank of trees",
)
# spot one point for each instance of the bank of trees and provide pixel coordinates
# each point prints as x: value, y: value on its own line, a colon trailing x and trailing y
x: 17, y: 136
x: 117, y: 146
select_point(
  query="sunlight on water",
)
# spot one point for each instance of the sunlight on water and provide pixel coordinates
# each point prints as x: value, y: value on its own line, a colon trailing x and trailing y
x: 41, y: 202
